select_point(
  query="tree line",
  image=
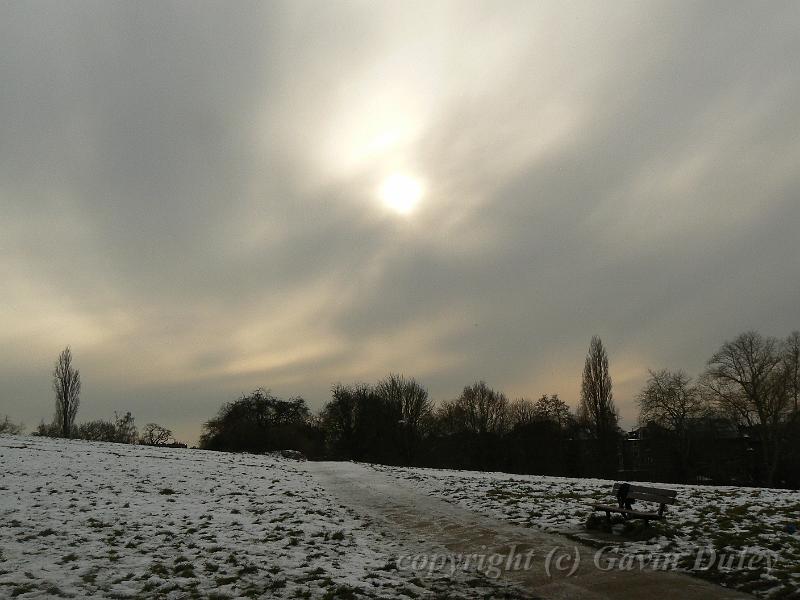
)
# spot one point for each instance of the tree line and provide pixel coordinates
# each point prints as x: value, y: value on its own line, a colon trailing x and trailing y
x: 744, y: 402
x: 743, y: 407
x: 736, y: 422
x: 394, y: 421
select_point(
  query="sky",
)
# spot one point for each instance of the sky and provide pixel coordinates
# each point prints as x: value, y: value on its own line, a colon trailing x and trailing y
x: 203, y: 198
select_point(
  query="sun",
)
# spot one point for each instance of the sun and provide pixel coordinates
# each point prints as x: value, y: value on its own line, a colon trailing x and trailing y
x: 401, y: 193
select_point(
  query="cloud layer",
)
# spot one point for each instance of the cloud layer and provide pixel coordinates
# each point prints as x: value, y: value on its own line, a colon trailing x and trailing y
x: 188, y: 195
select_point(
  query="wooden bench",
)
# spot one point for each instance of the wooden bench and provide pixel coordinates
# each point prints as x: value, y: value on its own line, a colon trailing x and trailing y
x: 639, y: 492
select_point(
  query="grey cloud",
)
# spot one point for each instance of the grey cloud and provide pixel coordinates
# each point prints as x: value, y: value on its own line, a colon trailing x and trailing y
x: 625, y: 170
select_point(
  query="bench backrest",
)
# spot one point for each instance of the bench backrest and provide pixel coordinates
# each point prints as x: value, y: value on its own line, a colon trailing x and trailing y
x: 649, y: 494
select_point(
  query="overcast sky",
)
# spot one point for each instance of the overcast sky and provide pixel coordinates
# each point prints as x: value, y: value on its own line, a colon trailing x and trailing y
x: 191, y: 195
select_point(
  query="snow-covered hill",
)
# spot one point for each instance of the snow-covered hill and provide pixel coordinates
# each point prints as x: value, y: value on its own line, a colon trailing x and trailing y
x: 81, y: 519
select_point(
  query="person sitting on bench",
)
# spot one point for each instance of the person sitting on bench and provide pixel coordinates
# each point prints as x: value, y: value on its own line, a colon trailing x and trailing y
x: 622, y: 496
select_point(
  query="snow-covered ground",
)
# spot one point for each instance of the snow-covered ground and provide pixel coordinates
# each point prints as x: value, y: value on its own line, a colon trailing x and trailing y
x: 730, y: 521
x: 81, y: 519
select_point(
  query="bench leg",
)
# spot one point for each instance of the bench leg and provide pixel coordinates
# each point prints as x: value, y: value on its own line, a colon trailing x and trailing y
x: 608, y: 516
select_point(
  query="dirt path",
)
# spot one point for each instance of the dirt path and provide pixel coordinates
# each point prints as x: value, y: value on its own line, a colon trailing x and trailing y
x: 557, y: 567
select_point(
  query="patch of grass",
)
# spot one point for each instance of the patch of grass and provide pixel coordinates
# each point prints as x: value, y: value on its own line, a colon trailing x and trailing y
x: 158, y: 569
x: 96, y: 523
x: 275, y: 584
x: 313, y: 575
x: 226, y: 579
x: 89, y: 577
x: 185, y: 570
x: 22, y: 588
x: 166, y: 491
x: 389, y: 566
x: 341, y: 592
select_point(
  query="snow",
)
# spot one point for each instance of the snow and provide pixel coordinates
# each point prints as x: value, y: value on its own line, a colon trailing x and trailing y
x: 83, y: 519
x: 727, y: 520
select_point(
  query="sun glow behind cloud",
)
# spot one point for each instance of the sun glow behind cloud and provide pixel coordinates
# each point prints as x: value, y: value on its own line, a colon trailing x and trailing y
x: 401, y: 193
x: 508, y: 162
x: 422, y: 103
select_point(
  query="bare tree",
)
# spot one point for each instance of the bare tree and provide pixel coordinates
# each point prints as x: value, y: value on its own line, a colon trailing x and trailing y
x: 483, y: 409
x: 155, y: 435
x: 98, y: 430
x: 125, y: 429
x: 67, y: 386
x: 748, y: 380
x: 597, y: 410
x: 791, y: 366
x: 552, y: 408
x: 480, y: 410
x: 342, y: 418
x: 450, y: 417
x: 521, y: 412
x: 670, y: 400
x: 47, y: 429
x: 407, y: 398
x: 7, y: 426
x: 410, y: 407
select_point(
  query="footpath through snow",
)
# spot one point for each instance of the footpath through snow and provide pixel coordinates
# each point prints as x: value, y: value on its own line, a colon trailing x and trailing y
x: 83, y: 519
x: 557, y: 568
